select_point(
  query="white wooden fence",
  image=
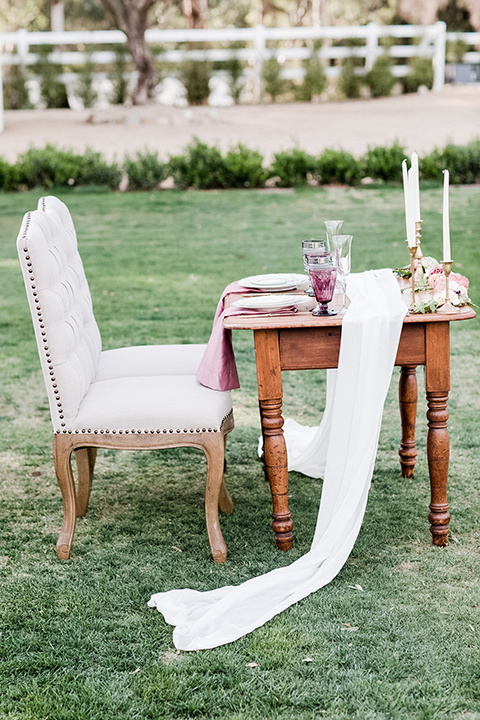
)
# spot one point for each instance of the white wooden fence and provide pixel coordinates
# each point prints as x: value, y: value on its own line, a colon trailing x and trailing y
x: 286, y: 44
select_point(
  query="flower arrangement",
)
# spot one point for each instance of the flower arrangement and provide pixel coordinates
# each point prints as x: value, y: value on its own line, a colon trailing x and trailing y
x: 433, y: 280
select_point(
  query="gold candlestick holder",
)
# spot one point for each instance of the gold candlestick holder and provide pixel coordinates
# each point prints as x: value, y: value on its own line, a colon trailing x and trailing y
x: 413, y: 251
x: 418, y: 235
x: 448, y: 308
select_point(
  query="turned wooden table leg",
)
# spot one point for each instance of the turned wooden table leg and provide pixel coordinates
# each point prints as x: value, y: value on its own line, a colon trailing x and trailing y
x: 438, y: 445
x: 270, y: 396
x: 438, y: 452
x: 407, y: 391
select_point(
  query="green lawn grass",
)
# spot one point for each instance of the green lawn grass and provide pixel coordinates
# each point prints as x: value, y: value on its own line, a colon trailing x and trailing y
x: 77, y: 640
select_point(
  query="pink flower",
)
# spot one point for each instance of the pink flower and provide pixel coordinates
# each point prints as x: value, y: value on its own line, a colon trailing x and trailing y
x: 460, y: 279
x: 435, y: 277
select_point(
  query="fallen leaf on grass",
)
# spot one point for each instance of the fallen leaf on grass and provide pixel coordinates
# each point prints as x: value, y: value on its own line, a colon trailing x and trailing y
x: 356, y: 587
x: 346, y: 624
x: 252, y: 664
x: 352, y: 628
x: 174, y: 547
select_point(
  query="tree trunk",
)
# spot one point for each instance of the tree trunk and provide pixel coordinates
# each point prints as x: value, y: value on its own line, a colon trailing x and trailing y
x: 194, y: 12
x: 142, y: 57
x: 131, y: 17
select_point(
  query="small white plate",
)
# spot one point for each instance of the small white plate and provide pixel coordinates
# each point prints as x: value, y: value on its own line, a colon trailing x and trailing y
x: 274, y: 281
x: 267, y: 303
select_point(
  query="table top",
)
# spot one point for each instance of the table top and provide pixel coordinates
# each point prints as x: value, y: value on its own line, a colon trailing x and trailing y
x: 304, y: 318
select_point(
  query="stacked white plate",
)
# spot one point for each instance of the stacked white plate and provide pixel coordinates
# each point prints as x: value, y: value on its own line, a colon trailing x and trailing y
x: 268, y: 303
x: 275, y: 282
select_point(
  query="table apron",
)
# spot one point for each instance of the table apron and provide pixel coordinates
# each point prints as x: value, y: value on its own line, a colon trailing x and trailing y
x: 319, y: 347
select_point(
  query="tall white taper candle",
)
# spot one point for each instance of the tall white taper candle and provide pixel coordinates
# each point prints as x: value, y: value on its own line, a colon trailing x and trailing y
x: 446, y: 218
x: 409, y: 221
x: 412, y: 240
x: 416, y: 187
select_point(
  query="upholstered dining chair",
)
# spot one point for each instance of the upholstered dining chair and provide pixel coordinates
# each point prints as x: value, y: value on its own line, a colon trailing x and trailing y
x: 133, y: 398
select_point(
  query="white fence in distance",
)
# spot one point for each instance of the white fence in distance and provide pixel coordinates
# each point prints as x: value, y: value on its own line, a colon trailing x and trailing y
x: 262, y: 43
x: 430, y: 42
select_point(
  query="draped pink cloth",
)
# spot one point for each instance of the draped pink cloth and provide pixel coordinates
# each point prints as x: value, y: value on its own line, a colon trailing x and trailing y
x: 217, y: 369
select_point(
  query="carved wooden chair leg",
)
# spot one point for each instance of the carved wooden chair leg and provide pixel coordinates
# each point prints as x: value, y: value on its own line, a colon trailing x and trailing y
x: 225, y: 501
x: 85, y: 459
x: 407, y: 391
x: 63, y: 469
x: 214, y: 448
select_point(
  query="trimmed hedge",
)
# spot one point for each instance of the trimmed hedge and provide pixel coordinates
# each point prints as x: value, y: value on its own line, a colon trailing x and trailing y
x: 205, y: 167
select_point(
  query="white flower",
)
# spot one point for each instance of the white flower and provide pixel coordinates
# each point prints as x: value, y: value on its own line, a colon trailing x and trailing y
x: 457, y: 293
x: 429, y: 263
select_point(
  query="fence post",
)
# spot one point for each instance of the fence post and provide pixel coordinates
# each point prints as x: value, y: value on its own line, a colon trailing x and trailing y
x: 22, y: 46
x: 259, y: 56
x: 439, y: 56
x: 372, y: 44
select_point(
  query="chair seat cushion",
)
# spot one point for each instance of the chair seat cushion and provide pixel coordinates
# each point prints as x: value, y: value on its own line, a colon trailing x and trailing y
x: 168, y: 402
x: 141, y: 360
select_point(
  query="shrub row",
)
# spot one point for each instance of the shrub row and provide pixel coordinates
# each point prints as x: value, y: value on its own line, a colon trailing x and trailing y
x: 204, y: 167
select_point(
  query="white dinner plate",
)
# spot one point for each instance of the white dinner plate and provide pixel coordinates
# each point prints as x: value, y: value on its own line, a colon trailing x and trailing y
x: 266, y: 303
x: 274, y: 281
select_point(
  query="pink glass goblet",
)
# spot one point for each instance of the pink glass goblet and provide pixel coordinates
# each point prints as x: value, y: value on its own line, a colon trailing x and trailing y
x: 323, y: 274
x: 310, y: 248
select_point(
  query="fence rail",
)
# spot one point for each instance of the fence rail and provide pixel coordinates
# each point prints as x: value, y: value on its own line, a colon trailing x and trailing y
x: 427, y: 40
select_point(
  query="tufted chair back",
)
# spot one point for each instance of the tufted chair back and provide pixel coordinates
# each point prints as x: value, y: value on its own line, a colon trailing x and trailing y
x: 67, y: 334
x: 59, y: 211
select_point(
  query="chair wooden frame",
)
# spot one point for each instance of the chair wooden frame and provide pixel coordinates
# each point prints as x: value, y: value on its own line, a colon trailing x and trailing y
x: 85, y: 445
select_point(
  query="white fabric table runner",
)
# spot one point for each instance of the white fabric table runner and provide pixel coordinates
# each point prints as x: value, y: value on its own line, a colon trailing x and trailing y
x: 342, y: 449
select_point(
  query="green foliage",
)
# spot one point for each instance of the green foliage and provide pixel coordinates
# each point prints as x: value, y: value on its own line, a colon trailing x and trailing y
x: 456, y: 18
x: 84, y: 86
x: 119, y: 77
x: 420, y: 72
x: 314, y: 80
x: 292, y: 167
x: 195, y: 76
x: 15, y: 92
x: 52, y: 89
x: 144, y: 170
x: 338, y: 166
x: 244, y: 168
x: 380, y: 79
x: 236, y: 82
x: 50, y: 167
x: 201, y: 167
x: 462, y: 162
x: 455, y: 50
x: 384, y: 163
x: 8, y: 176
x: 274, y: 84
x: 349, y: 82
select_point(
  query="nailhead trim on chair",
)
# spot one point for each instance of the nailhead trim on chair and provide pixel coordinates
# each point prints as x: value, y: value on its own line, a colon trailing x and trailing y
x: 56, y: 392
x: 185, y: 431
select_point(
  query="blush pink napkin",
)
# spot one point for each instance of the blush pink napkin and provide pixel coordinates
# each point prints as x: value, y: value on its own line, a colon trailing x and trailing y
x: 217, y: 369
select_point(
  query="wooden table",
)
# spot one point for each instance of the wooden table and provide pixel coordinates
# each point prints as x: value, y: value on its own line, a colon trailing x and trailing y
x: 304, y: 342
